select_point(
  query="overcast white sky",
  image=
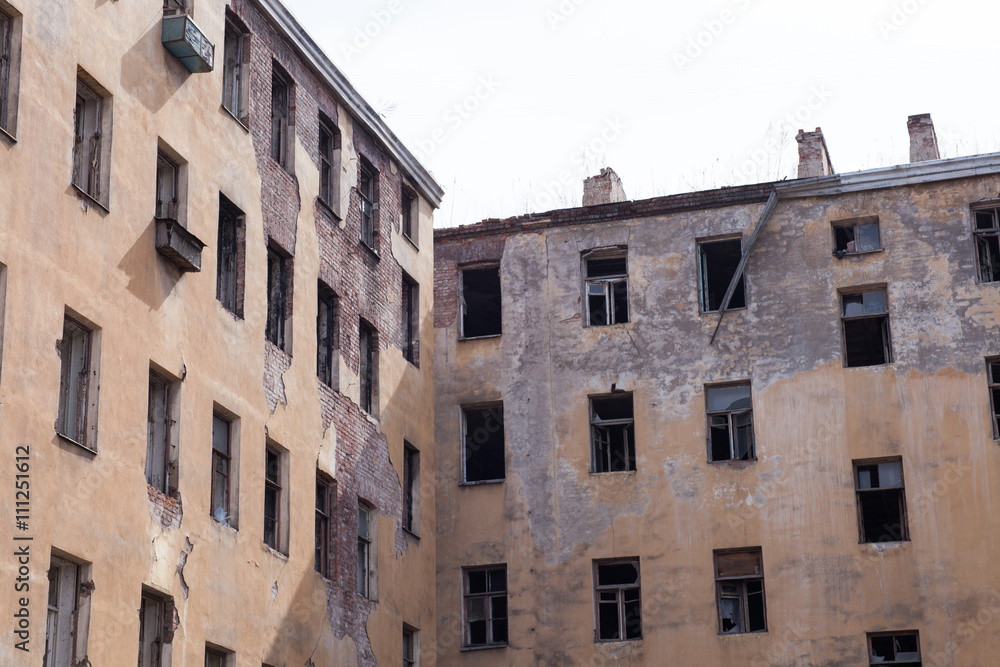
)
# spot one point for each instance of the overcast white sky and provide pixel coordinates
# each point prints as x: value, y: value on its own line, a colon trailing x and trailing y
x: 510, y: 105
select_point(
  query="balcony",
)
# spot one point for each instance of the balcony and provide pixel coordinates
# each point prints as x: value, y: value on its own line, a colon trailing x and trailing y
x: 187, y: 43
x: 178, y: 245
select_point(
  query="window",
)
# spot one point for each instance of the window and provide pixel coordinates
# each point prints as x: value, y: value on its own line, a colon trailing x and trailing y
x: 367, y: 557
x: 411, y: 320
x: 866, y: 329
x: 10, y: 59
x: 216, y: 656
x: 612, y: 433
x: 68, y: 613
x: 171, y: 185
x: 855, y: 236
x: 161, y: 433
x: 607, y: 288
x: 411, y: 647
x: 987, y: 233
x: 326, y: 336
x: 78, y: 383
x: 224, y: 451
x: 717, y: 261
x: 485, y: 593
x: 276, y: 498
x: 367, y: 370
x: 279, y: 296
x: 324, y: 503
x: 993, y: 378
x: 92, y: 139
x: 410, y: 206
x: 483, y: 444
x: 235, y: 82
x: 329, y: 164
x: 231, y: 257
x: 481, y: 302
x: 281, y: 136
x: 368, y: 192
x: 730, y: 423
x: 894, y: 648
x: 156, y: 629
x: 739, y: 590
x: 411, y: 488
x: 881, y: 500
x: 616, y: 595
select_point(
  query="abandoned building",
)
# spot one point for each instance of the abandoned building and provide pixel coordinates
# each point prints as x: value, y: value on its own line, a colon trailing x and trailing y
x: 215, y: 271
x: 755, y: 425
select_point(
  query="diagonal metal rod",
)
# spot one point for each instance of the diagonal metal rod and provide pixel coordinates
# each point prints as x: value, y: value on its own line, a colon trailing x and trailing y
x: 772, y: 201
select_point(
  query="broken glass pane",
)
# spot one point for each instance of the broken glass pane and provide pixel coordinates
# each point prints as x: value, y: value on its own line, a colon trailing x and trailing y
x: 731, y: 398
x: 867, y: 237
x: 477, y: 581
x: 614, y: 574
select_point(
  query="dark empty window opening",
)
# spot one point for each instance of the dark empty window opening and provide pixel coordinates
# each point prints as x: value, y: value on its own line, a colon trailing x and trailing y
x: 855, y: 236
x: 881, y: 501
x: 612, y: 433
x: 607, y: 289
x: 739, y: 590
x: 483, y: 444
x: 278, y: 296
x: 481, y: 312
x: 279, y: 118
x: 230, y: 258
x: 411, y: 320
x: 717, y: 261
x: 894, y: 648
x: 993, y: 377
x: 368, y: 192
x: 367, y: 368
x: 987, y: 233
x: 617, y: 593
x: 485, y: 597
x: 866, y: 329
x: 411, y: 487
x: 730, y: 423
x: 326, y: 335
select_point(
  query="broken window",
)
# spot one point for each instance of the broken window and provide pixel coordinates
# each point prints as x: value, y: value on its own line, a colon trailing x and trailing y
x: 368, y: 192
x: 78, y: 383
x: 10, y: 50
x: 717, y: 262
x: 329, y: 163
x: 894, y: 648
x: 275, y: 498
x: 156, y: 621
x: 366, y: 550
x: 481, y: 302
x: 411, y: 320
x: 607, y: 288
x: 92, y: 139
x: 326, y: 335
x: 855, y: 236
x: 485, y: 598
x: 730, y: 423
x: 866, y: 329
x: 281, y: 90
x: 161, y: 432
x: 411, y: 488
x: 410, y: 647
x: 68, y: 613
x: 367, y: 369
x: 324, y: 504
x: 231, y: 257
x: 223, y: 469
x: 483, y: 444
x: 612, y: 433
x: 279, y: 291
x: 216, y: 656
x: 881, y: 500
x: 739, y: 589
x: 616, y: 593
x: 410, y: 210
x: 993, y: 378
x: 236, y: 59
x: 987, y: 234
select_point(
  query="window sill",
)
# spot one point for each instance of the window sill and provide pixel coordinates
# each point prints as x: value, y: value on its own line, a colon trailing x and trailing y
x: 88, y: 197
x: 5, y: 133
x: 245, y: 126
x: 617, y: 641
x: 274, y: 552
x: 365, y: 597
x: 66, y: 438
x: 225, y: 524
x: 411, y: 533
x: 370, y: 249
x: 613, y: 472
x: 483, y: 648
x: 480, y: 337
x: 479, y: 482
x: 846, y: 367
x: 741, y: 634
x: 857, y: 253
x: 889, y: 544
x: 411, y: 241
x: 284, y: 168
x: 329, y: 209
x: 716, y: 312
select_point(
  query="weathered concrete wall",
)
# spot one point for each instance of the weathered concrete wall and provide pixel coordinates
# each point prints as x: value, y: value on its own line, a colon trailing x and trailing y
x: 57, y: 252
x: 552, y: 517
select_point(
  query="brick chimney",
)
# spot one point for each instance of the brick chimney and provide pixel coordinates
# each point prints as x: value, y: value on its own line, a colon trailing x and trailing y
x: 923, y: 139
x: 604, y: 188
x: 814, y: 158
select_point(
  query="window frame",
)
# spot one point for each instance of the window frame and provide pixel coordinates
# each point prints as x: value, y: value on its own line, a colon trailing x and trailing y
x: 82, y: 353
x: 893, y: 633
x: 368, y: 368
x: 10, y: 68
x: 409, y: 223
x: 619, y: 590
x: 704, y: 297
x: 231, y: 458
x: 168, y: 467
x: 230, y: 257
x: 280, y: 287
x: 282, y: 117
x: 740, y: 580
x: 235, y: 79
x: 993, y: 386
x: 463, y: 308
x: 490, y: 619
x: 493, y: 409
x: 71, y: 608
x: 904, y: 531
x: 410, y: 302
x: 92, y: 123
x: 329, y: 163
x: 979, y: 244
x: 855, y: 224
x: 411, y: 489
x: 608, y: 284
x: 325, y: 501
x: 411, y: 646
x: 276, y: 488
x: 629, y: 428
x: 884, y: 316
x: 327, y: 346
x: 226, y: 657
x: 164, y: 622
x: 367, y: 551
x: 731, y: 425
x: 368, y: 196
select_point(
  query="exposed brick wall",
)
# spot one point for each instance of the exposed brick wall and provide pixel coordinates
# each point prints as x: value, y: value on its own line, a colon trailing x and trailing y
x: 165, y: 510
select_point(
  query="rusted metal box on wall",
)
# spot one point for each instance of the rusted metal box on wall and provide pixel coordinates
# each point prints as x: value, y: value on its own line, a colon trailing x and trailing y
x: 188, y: 43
